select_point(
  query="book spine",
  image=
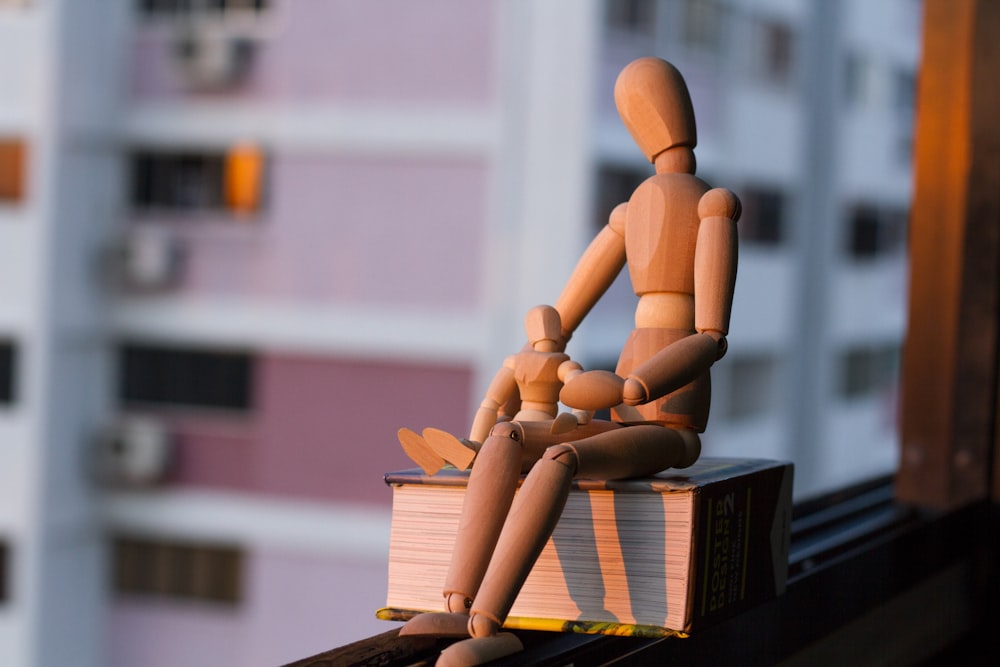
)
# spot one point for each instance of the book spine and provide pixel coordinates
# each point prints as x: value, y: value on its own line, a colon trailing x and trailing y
x: 740, y: 546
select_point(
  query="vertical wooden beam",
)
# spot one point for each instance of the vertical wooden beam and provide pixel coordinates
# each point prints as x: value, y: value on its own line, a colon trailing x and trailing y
x: 950, y: 355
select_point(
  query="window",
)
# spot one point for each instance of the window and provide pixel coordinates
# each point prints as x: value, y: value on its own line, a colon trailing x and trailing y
x: 8, y: 372
x: 746, y: 386
x: 875, y: 231
x: 4, y: 565
x: 187, y: 571
x: 186, y: 7
x: 181, y: 377
x: 12, y: 168
x: 703, y: 24
x: 631, y: 15
x: 868, y: 369
x: 770, y: 52
x: 763, y: 219
x: 615, y: 184
x: 198, y: 181
x: 778, y: 51
x: 904, y: 91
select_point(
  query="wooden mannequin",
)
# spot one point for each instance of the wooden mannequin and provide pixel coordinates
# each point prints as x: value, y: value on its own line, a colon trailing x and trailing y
x: 678, y: 238
x: 536, y: 374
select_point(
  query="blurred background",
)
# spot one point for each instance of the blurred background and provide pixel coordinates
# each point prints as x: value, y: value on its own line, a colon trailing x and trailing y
x: 242, y: 242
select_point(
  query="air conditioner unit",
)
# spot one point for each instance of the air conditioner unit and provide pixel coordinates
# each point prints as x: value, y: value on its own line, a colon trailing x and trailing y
x: 133, y: 451
x: 208, y: 55
x: 149, y: 259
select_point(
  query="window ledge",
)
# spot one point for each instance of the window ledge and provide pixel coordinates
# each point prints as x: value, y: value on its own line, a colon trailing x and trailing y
x: 867, y: 576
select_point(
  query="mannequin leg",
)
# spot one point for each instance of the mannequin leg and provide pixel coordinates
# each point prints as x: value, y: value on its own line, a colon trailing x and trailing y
x: 633, y: 451
x: 488, y: 497
x: 491, y: 488
x: 636, y: 451
x: 532, y: 519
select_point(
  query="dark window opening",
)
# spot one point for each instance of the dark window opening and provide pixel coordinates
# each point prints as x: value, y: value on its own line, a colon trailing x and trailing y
x: 763, y: 218
x: 703, y: 25
x: 615, y: 185
x: 185, y: 181
x: 177, y: 570
x: 229, y: 180
x: 4, y: 565
x: 751, y: 386
x: 8, y: 373
x: 631, y: 15
x: 875, y: 231
x: 193, y: 378
x: 183, y: 7
x: 866, y: 370
x: 779, y: 43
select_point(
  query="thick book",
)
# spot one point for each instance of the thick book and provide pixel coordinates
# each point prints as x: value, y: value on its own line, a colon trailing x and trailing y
x: 654, y: 557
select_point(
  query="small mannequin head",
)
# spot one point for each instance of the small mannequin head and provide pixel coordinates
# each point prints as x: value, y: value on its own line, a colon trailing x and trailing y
x: 654, y: 104
x: 543, y: 326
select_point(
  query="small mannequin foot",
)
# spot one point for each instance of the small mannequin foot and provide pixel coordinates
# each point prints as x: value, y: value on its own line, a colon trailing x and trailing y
x: 419, y: 451
x: 437, y: 624
x: 564, y: 423
x: 450, y: 448
x: 480, y: 650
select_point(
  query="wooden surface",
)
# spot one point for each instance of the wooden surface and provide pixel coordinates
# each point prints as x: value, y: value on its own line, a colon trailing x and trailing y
x: 950, y: 354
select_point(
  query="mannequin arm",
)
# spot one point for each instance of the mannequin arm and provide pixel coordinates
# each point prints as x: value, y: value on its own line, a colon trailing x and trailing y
x: 715, y: 261
x: 597, y: 269
x: 671, y: 368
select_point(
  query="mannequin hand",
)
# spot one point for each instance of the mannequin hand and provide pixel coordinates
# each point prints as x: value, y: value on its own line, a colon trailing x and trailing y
x: 634, y: 393
x: 593, y: 390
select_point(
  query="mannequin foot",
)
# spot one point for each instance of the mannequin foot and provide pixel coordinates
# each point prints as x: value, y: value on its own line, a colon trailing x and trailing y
x: 450, y: 448
x: 479, y: 650
x: 419, y: 451
x: 437, y: 624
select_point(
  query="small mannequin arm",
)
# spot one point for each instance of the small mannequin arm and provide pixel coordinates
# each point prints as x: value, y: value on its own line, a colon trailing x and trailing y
x: 566, y: 421
x: 500, y: 390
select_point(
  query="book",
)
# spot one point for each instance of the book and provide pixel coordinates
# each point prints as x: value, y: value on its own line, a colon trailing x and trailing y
x: 657, y: 556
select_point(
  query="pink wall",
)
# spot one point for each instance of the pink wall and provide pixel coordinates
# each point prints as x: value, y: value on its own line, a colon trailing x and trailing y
x: 322, y: 428
x: 433, y: 51
x: 347, y: 230
x: 294, y: 606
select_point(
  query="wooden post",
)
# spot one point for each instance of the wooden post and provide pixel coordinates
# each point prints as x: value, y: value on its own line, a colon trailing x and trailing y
x: 950, y: 354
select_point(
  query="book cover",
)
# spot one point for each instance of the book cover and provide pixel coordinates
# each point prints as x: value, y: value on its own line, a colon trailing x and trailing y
x: 649, y: 557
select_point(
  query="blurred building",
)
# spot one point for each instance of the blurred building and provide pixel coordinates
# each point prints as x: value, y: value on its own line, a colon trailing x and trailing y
x: 244, y: 241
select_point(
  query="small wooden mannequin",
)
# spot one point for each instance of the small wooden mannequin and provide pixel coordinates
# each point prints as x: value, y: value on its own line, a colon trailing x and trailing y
x: 678, y: 238
x: 537, y: 374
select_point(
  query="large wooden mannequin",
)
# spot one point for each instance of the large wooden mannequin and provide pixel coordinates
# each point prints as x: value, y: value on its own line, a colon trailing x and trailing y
x: 536, y: 375
x: 678, y: 237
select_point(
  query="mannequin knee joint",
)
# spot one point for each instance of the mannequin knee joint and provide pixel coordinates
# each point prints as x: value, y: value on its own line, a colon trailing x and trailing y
x: 564, y: 454
x: 509, y: 431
